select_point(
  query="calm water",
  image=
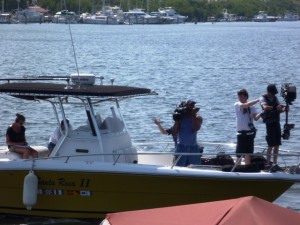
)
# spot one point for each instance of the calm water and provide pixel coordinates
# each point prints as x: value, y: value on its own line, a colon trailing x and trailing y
x: 205, y: 62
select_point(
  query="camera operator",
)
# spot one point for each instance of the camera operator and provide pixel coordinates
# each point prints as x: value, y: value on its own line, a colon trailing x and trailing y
x: 271, y: 117
x: 187, y: 124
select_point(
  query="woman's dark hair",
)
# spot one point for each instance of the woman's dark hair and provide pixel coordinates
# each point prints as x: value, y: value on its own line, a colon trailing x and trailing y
x: 19, y: 117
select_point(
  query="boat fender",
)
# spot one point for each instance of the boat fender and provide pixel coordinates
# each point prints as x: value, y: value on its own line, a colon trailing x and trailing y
x: 30, y: 190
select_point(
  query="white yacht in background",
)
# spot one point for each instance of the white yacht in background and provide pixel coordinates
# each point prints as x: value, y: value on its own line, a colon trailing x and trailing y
x: 5, y: 18
x: 263, y: 17
x: 65, y: 16
x: 162, y: 16
x: 171, y: 14
x: 290, y: 16
x: 162, y: 19
x: 227, y: 17
x: 108, y: 15
x: 138, y: 16
x: 32, y: 14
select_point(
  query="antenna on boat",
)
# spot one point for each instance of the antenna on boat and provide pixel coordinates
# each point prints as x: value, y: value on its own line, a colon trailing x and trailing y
x: 74, y: 50
x: 72, y: 44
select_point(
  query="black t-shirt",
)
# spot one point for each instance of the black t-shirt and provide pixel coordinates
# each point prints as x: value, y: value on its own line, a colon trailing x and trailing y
x: 175, y: 136
x: 271, y: 116
x: 14, y: 136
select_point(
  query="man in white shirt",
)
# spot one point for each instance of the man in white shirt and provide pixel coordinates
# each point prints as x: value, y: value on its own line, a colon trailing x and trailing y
x: 57, y: 135
x: 245, y: 114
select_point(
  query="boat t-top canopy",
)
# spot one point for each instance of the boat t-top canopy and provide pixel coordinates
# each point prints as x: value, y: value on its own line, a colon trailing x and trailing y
x: 44, y: 90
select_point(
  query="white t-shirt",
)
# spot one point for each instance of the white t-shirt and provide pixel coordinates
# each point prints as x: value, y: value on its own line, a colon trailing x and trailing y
x: 243, y: 116
x: 57, y: 134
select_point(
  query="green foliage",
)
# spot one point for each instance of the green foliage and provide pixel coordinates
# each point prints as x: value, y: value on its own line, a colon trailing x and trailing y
x: 199, y: 9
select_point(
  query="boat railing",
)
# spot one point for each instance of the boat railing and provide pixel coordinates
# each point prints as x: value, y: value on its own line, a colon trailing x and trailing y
x: 44, y: 78
x: 282, y: 158
x: 286, y: 158
x: 214, y: 146
x: 213, y: 149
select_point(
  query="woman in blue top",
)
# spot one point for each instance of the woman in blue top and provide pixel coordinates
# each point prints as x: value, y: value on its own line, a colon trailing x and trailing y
x: 186, y: 125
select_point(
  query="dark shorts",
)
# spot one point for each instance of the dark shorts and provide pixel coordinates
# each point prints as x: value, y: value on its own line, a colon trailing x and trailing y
x: 12, y: 148
x: 273, y: 137
x: 245, y: 143
x: 51, y: 146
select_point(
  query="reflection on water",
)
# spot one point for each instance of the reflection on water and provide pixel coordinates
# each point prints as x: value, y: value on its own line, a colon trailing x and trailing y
x: 288, y: 200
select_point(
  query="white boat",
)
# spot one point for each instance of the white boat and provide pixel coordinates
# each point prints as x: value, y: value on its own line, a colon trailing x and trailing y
x: 5, y: 18
x: 290, y: 16
x: 108, y: 15
x: 162, y: 18
x: 138, y: 16
x: 172, y: 15
x: 95, y: 168
x: 263, y: 17
x: 97, y: 18
x: 65, y: 16
x: 32, y: 14
x: 227, y: 17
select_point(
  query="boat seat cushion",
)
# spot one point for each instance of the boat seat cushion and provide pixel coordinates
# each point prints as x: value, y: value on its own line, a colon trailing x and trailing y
x: 42, y: 150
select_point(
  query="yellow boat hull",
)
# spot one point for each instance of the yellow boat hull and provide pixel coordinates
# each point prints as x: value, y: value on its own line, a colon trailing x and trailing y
x: 93, y: 194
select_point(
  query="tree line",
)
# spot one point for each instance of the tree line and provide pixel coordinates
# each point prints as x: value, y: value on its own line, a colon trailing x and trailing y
x: 194, y: 9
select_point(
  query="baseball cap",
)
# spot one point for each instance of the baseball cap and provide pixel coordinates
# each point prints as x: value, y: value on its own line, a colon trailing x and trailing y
x: 190, y: 102
x: 272, y: 89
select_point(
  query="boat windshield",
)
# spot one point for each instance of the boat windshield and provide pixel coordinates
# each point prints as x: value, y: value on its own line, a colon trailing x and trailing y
x: 107, y: 117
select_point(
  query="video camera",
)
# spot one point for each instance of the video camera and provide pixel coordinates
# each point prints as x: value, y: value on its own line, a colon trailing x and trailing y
x: 183, y: 109
x: 179, y: 113
x: 289, y: 94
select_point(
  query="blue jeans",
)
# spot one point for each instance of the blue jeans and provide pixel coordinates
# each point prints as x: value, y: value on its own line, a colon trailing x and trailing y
x: 51, y: 146
x: 186, y: 160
